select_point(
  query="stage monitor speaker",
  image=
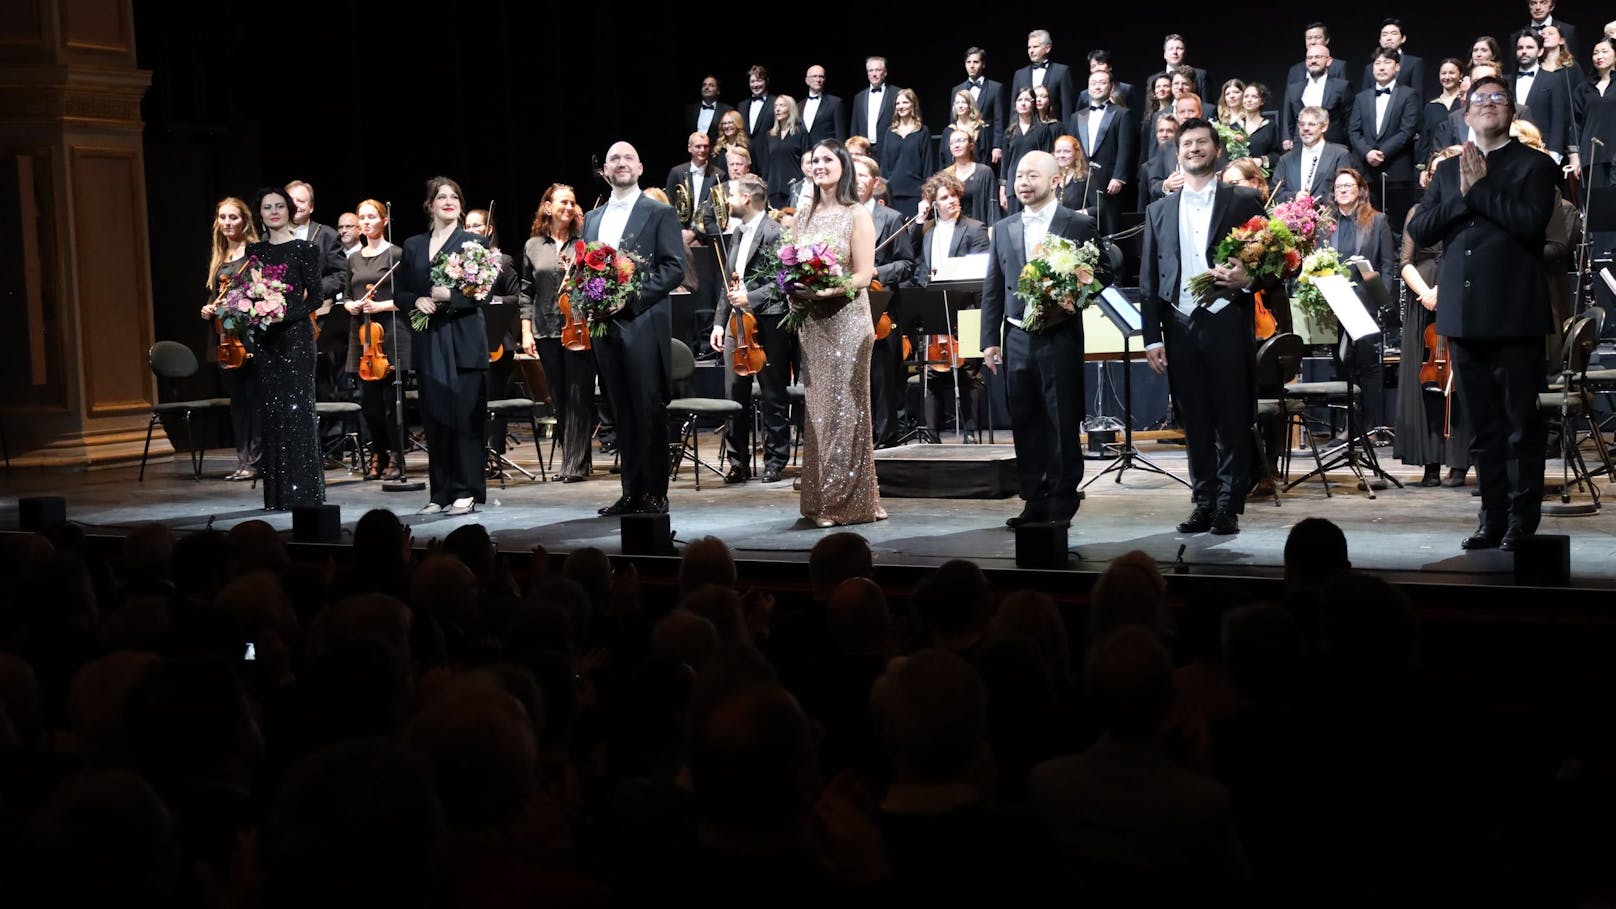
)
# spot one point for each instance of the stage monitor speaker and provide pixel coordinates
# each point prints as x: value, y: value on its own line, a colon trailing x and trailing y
x: 37, y: 514
x: 647, y: 534
x: 1041, y: 545
x: 317, y: 523
x: 1543, y: 560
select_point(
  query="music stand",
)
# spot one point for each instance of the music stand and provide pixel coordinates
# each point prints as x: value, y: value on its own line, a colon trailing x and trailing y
x: 930, y: 310
x: 497, y: 320
x: 1129, y: 322
x: 1356, y: 324
x: 401, y: 322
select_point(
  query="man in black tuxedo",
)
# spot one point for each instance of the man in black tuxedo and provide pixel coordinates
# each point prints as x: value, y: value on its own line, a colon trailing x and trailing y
x: 1204, y: 347
x: 755, y: 234
x: 1320, y: 90
x: 823, y: 115
x: 1173, y: 58
x: 1385, y: 119
x: 871, y: 114
x: 1411, y: 69
x: 687, y: 186
x: 1315, y: 33
x: 331, y: 380
x: 1107, y: 133
x: 1548, y: 98
x: 634, y: 356
x: 991, y: 101
x: 1121, y: 92
x: 1542, y: 13
x: 1042, y: 71
x: 703, y: 115
x: 947, y: 234
x: 894, y: 266
x: 1489, y: 209
x: 757, y: 111
x: 1043, y: 369
x: 1310, y: 167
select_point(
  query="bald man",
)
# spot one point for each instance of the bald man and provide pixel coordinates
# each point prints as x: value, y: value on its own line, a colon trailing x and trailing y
x: 634, y: 356
x: 1043, y: 369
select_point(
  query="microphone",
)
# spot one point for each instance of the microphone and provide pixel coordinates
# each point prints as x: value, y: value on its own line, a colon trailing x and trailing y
x: 1597, y: 141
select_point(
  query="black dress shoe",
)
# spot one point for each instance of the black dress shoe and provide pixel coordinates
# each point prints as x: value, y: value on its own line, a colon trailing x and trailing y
x: 649, y: 504
x: 1512, y: 537
x: 1484, y: 538
x: 623, y: 505
x: 570, y: 478
x: 771, y: 476
x: 1031, y: 514
x: 736, y: 475
x: 1225, y: 523
x: 1199, y: 521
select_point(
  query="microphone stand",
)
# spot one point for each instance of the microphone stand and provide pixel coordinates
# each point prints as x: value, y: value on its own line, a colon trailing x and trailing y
x: 1584, y: 248
x: 403, y: 483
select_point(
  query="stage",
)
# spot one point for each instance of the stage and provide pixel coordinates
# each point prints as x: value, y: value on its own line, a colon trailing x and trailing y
x: 1407, y: 534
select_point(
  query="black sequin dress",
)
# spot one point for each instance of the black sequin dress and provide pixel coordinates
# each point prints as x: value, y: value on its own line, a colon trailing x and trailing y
x: 290, y: 466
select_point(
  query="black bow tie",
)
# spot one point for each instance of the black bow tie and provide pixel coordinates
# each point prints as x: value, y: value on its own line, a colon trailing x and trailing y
x: 1527, y: 73
x: 1096, y: 107
x: 1382, y: 91
x: 875, y: 90
x: 1039, y: 65
x: 707, y: 105
x: 975, y: 84
x: 813, y: 97
x: 1538, y: 26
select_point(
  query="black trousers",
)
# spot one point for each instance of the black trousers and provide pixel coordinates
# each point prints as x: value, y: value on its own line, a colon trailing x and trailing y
x: 454, y: 407
x: 1211, y: 373
x: 378, y: 401
x: 1044, y: 374
x: 635, y: 360
x: 499, y: 386
x: 939, y: 403
x: 783, y: 353
x: 241, y: 384
x: 1499, y: 382
x: 571, y: 376
x: 886, y: 389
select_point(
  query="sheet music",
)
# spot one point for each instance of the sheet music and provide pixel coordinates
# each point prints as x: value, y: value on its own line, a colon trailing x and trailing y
x: 1610, y: 281
x: 1343, y: 300
x: 961, y: 268
x: 1120, y: 310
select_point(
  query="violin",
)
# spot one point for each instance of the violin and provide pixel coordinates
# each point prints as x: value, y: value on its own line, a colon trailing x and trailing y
x: 232, y: 353
x: 373, y: 365
x: 574, y: 329
x: 1266, y: 323
x: 749, y: 357
x: 1434, y: 371
x: 942, y: 353
x: 883, y: 325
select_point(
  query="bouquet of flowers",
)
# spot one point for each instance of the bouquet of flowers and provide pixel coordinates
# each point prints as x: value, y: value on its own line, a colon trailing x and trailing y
x: 1235, y: 142
x: 801, y: 266
x: 1308, y: 296
x: 600, y: 282
x: 1272, y: 246
x: 254, y: 299
x: 471, y: 271
x: 1060, y: 278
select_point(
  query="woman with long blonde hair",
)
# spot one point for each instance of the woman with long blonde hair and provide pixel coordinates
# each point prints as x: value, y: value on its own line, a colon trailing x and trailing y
x: 233, y: 229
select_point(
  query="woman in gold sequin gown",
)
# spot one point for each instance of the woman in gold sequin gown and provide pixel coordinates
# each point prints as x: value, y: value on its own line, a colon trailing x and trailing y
x: 838, y: 474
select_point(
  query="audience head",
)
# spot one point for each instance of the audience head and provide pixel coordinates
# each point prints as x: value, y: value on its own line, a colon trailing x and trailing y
x: 930, y: 711
x: 857, y: 618
x: 837, y: 557
x: 722, y: 607
x: 1367, y: 626
x: 103, y: 838
x: 1315, y: 550
x: 751, y: 761
x: 684, y: 637
x: 706, y: 561
x: 1131, y: 591
x: 1034, y: 615
x: 480, y: 742
x: 955, y: 604
x: 1129, y: 679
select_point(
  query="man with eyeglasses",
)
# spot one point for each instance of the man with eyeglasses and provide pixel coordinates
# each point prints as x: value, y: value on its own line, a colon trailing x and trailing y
x: 1490, y: 209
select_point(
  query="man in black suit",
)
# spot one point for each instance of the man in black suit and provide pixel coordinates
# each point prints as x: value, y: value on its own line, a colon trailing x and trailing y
x: 1211, y: 370
x: 331, y: 381
x: 1121, y: 92
x: 894, y: 266
x: 1315, y: 33
x: 1489, y: 209
x: 1411, y: 69
x: 1042, y: 71
x: 1320, y: 90
x: 1173, y: 58
x: 1043, y: 369
x: 823, y: 115
x: 1548, y: 98
x: 1542, y: 13
x: 755, y: 234
x: 1162, y: 164
x: 871, y: 114
x: 634, y: 356
x: 704, y: 115
x: 947, y: 234
x: 1107, y: 133
x: 1310, y: 167
x: 1385, y: 118
x: 991, y: 100
x: 687, y: 186
x: 757, y: 111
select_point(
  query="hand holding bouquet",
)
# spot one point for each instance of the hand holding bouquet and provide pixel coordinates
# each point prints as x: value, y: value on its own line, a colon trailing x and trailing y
x: 1059, y: 280
x: 814, y: 282
x: 600, y: 282
x: 1272, y: 246
x: 471, y: 271
x: 254, y: 299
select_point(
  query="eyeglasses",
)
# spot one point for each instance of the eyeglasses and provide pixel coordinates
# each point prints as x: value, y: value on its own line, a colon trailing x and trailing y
x: 1489, y: 97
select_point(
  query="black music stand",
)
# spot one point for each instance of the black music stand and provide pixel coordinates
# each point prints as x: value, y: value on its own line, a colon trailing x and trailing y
x: 1129, y: 322
x: 932, y: 310
x: 497, y: 321
x: 401, y: 322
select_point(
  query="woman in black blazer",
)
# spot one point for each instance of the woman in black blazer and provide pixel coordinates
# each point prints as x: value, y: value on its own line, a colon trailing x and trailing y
x: 450, y: 357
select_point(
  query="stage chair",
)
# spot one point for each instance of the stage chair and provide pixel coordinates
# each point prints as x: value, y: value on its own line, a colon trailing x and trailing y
x: 172, y: 363
x: 1358, y: 454
x: 1279, y: 362
x: 526, y: 410
x: 689, y: 411
x: 353, y: 440
x: 1567, y: 408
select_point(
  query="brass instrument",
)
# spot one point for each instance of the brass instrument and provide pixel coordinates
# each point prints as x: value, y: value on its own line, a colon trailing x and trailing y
x: 720, y: 199
x: 681, y: 203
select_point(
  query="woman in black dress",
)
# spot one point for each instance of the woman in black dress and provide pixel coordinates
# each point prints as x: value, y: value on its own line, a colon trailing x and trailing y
x: 981, y: 192
x: 1262, y: 137
x: 1023, y: 134
x: 370, y: 300
x: 1430, y: 425
x: 570, y: 373
x: 1594, y: 109
x: 1362, y: 232
x: 906, y: 154
x: 232, y: 230
x: 289, y: 464
x: 1434, y: 117
x: 782, y: 164
x: 450, y: 356
x: 1072, y: 176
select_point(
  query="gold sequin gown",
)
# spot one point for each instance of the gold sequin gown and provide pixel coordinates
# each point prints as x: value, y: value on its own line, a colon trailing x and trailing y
x: 838, y: 473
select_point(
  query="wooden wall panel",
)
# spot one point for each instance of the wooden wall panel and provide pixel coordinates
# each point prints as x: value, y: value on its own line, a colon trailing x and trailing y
x: 111, y: 270
x: 102, y: 26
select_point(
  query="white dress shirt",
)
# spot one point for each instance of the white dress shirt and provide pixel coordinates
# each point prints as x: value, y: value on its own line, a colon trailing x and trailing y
x: 1095, y: 118
x: 810, y: 107
x: 942, y: 239
x: 1523, y: 84
x: 754, y: 108
x: 301, y: 231
x: 743, y: 248
x: 704, y: 117
x: 974, y: 86
x: 1313, y: 91
x: 1034, y: 228
x: 615, y: 218
x: 872, y: 110
x: 1382, y: 101
x: 1310, y: 165
x: 1038, y: 71
x: 1194, y: 228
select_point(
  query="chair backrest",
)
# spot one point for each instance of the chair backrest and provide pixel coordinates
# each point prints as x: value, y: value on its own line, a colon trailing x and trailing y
x: 684, y: 362
x: 1279, y: 360
x: 1578, y: 346
x: 172, y: 360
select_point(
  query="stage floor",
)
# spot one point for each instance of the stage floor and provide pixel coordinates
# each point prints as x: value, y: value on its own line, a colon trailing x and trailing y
x: 1411, y: 533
